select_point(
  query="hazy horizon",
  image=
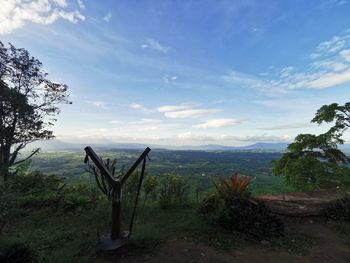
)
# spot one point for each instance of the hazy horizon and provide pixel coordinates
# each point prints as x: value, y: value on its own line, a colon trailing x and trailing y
x: 187, y: 72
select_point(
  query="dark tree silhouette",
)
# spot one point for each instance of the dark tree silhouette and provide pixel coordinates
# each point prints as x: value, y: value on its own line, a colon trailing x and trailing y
x: 28, y: 104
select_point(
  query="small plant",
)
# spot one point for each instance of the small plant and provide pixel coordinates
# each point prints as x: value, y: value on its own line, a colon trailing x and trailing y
x: 235, y: 186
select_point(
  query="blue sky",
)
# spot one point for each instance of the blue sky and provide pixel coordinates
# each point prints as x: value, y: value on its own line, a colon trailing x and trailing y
x: 187, y: 72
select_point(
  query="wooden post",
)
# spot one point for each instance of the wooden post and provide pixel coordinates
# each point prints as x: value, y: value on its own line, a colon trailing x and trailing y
x: 116, y: 238
x: 116, y: 213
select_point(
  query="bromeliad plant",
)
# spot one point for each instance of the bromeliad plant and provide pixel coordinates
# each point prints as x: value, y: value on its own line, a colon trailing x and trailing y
x: 234, y: 186
x: 232, y: 209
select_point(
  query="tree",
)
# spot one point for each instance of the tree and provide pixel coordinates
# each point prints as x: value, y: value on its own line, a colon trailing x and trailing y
x: 28, y: 104
x: 313, y: 161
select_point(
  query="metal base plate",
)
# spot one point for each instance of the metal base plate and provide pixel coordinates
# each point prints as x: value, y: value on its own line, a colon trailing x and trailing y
x: 105, y: 243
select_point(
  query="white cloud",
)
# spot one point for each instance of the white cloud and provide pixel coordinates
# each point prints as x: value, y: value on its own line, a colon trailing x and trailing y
x: 330, y: 66
x: 97, y: 104
x: 81, y: 4
x: 189, y: 136
x: 61, y: 3
x: 331, y: 3
x: 288, y: 126
x: 217, y: 123
x: 190, y: 113
x: 184, y: 111
x: 345, y: 54
x: 155, y: 45
x: 114, y: 122
x: 168, y: 108
x: 263, y: 138
x: 140, y: 107
x: 14, y: 14
x: 150, y: 121
x: 169, y: 79
x: 107, y: 17
x: 335, y: 44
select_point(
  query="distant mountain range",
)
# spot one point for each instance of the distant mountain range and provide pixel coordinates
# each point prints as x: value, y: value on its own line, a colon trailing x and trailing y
x: 57, y: 145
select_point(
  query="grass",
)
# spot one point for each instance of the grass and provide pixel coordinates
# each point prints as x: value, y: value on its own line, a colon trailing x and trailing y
x: 297, y: 243
x: 69, y: 236
x: 341, y: 227
x: 67, y: 232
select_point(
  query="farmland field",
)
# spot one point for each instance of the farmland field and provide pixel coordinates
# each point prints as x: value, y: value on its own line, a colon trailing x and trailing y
x: 197, y: 166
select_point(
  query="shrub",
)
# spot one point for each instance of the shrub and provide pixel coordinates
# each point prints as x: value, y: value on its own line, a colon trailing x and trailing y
x: 150, y: 186
x: 173, y: 190
x: 232, y: 209
x: 243, y: 215
x: 209, y: 205
x: 79, y: 195
x: 338, y: 210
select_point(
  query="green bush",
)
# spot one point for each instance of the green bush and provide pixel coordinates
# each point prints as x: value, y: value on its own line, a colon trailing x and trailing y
x: 242, y: 215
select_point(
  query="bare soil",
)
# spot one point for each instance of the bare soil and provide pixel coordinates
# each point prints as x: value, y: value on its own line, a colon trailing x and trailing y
x: 329, y: 247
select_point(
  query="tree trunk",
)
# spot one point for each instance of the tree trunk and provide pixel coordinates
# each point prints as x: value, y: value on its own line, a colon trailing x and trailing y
x: 303, y: 204
x: 4, y: 163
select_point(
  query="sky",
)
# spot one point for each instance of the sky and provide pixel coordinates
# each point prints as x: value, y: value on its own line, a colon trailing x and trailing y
x: 187, y: 72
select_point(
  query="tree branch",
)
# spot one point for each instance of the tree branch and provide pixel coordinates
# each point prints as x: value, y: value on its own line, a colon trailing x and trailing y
x: 33, y: 153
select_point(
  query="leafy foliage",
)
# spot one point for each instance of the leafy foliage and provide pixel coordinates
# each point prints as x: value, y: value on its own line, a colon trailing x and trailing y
x: 334, y: 112
x: 232, y: 209
x: 172, y: 191
x: 150, y: 185
x: 314, y: 161
x: 243, y: 215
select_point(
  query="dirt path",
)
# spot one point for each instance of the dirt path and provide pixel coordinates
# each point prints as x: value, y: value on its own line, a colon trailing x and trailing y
x: 329, y: 248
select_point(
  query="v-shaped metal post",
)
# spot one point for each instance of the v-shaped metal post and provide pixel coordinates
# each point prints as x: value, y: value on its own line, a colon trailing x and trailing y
x: 117, y: 238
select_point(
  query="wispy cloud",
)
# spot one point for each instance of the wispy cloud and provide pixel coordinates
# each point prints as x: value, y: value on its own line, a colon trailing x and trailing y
x: 61, y: 3
x: 329, y: 66
x: 107, y: 17
x: 81, y: 4
x: 97, y: 104
x: 140, y: 107
x: 15, y: 14
x: 192, y: 113
x: 115, y: 122
x: 331, y: 3
x: 287, y: 126
x: 189, y: 136
x: 168, y: 108
x: 169, y: 79
x: 217, y: 123
x: 155, y: 45
x: 184, y: 111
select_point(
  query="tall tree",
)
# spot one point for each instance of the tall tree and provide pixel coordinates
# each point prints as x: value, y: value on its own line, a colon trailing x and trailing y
x: 28, y: 104
x: 313, y: 161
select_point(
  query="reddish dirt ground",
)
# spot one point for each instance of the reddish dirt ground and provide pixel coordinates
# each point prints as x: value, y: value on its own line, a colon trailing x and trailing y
x: 329, y: 247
